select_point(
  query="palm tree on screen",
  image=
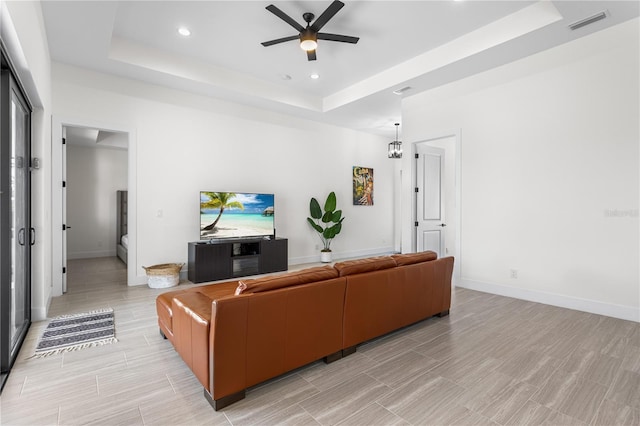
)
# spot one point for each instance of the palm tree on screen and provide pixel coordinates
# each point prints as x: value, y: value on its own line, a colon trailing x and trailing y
x: 219, y: 200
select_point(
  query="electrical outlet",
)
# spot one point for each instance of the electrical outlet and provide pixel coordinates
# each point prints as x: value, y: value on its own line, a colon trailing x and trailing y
x: 514, y: 274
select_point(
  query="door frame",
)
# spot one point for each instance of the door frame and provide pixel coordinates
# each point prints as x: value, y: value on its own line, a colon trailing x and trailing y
x: 58, y: 123
x: 456, y: 216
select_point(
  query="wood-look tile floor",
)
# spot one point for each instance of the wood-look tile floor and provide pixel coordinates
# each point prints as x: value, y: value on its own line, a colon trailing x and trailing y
x: 494, y: 360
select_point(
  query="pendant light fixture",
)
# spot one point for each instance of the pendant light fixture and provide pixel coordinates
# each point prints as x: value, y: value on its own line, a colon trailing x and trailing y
x: 395, y: 147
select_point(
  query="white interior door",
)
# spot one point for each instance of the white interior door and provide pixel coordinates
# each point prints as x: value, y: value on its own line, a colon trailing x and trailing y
x: 430, y: 214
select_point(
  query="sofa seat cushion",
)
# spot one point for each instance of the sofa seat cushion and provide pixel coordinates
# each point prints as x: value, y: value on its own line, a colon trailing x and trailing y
x: 359, y: 266
x: 411, y: 258
x: 272, y: 282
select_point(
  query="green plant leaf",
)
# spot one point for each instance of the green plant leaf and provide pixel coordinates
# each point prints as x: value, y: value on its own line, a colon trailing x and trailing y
x: 328, y: 233
x: 337, y: 228
x: 327, y: 217
x: 314, y: 208
x: 336, y: 216
x: 330, y: 204
x: 314, y: 225
x: 334, y: 230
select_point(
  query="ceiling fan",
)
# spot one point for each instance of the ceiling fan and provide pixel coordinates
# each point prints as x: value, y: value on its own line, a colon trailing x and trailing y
x: 310, y: 35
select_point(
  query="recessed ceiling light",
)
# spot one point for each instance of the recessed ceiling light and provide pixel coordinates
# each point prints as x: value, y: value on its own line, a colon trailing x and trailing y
x: 184, y: 31
x: 315, y: 76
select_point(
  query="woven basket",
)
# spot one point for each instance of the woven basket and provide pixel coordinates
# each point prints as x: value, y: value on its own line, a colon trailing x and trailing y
x: 163, y: 269
x: 164, y: 275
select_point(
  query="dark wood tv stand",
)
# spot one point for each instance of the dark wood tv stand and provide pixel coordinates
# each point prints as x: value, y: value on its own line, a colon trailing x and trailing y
x: 232, y: 258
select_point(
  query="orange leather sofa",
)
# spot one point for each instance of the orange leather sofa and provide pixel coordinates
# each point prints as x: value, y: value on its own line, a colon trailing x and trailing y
x: 236, y: 334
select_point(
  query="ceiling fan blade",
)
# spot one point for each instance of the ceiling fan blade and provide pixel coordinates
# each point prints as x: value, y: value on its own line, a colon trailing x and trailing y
x: 311, y: 55
x: 279, y: 40
x: 338, y: 37
x: 327, y: 15
x: 286, y: 18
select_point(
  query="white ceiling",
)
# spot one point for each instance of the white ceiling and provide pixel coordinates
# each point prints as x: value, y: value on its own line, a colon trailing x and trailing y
x: 421, y: 44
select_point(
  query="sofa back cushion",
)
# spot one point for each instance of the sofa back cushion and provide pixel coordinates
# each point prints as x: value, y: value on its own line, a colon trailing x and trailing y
x: 273, y: 282
x: 411, y: 258
x: 358, y: 266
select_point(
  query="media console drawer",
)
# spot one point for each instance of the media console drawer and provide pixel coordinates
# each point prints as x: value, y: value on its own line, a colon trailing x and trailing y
x: 220, y: 260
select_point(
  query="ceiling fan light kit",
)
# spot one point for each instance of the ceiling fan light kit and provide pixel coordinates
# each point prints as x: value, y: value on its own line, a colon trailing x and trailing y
x: 308, y: 40
x: 310, y: 34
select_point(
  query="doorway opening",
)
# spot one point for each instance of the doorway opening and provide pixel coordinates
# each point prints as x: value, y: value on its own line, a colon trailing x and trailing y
x: 96, y: 174
x: 93, y: 164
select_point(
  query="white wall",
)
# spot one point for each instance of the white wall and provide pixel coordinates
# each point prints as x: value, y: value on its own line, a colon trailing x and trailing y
x: 186, y: 143
x: 22, y: 30
x: 93, y: 177
x: 549, y: 154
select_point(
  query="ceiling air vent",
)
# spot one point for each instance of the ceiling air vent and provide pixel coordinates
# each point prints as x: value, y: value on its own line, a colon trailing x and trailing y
x: 401, y: 91
x: 586, y: 21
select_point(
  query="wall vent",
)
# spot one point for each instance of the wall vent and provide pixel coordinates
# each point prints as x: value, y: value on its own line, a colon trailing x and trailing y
x: 401, y: 91
x: 586, y: 21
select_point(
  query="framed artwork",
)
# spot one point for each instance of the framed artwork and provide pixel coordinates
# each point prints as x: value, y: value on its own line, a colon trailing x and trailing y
x: 362, y: 186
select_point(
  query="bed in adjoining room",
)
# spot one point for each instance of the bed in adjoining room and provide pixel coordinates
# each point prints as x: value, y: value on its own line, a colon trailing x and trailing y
x: 122, y: 242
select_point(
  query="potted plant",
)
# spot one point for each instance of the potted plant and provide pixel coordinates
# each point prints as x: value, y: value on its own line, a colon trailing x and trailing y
x: 327, y: 223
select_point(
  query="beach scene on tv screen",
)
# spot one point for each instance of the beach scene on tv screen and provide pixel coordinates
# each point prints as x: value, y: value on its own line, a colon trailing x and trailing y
x: 234, y: 214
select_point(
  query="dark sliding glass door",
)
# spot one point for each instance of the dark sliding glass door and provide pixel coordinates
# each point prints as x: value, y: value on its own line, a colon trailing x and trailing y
x: 16, y: 234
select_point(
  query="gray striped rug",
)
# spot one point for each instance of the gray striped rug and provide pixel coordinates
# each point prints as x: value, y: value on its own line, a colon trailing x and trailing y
x: 78, y: 331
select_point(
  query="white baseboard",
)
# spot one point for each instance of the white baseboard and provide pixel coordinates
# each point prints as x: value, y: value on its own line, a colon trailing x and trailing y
x: 140, y: 280
x: 628, y: 313
x: 338, y: 256
x: 38, y: 314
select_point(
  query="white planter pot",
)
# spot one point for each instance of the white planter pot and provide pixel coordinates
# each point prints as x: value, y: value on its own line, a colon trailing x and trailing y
x: 325, y: 256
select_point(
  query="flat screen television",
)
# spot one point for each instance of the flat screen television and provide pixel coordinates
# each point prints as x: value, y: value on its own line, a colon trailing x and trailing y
x: 236, y: 215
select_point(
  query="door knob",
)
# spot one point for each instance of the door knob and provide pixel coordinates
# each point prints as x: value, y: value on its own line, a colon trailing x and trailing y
x: 443, y: 225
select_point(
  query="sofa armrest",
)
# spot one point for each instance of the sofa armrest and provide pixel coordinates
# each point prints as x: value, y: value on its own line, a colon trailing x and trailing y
x: 164, y: 309
x: 191, y: 316
x: 445, y: 267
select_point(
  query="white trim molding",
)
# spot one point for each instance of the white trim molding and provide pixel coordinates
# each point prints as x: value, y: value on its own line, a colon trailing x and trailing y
x: 628, y: 313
